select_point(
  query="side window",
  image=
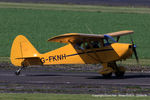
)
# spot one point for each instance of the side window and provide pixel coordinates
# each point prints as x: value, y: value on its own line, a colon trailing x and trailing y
x: 92, y: 44
x: 87, y: 45
x: 82, y: 46
x: 106, y: 42
x: 95, y: 44
x: 79, y: 46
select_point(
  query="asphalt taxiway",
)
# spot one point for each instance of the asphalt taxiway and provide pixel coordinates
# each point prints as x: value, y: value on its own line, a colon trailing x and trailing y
x: 73, y: 82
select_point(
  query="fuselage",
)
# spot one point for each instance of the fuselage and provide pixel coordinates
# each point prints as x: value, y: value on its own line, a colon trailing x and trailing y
x: 70, y: 55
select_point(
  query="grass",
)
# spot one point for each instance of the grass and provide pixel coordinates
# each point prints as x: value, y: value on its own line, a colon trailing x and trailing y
x: 38, y: 22
x: 5, y: 59
x: 72, y: 7
x: 130, y: 62
x: 9, y: 96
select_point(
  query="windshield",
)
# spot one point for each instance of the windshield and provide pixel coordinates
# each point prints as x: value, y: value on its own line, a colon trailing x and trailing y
x: 108, y: 40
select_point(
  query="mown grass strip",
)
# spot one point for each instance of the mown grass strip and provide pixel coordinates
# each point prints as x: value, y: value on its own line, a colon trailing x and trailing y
x: 131, y: 62
x: 88, y: 8
x: 5, y: 59
x: 38, y: 96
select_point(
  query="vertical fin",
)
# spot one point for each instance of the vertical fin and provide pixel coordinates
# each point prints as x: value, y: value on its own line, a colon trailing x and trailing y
x: 22, y: 48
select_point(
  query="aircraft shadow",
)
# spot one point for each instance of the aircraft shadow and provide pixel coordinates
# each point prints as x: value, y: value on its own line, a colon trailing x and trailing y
x: 43, y: 75
x: 125, y: 77
x: 132, y: 76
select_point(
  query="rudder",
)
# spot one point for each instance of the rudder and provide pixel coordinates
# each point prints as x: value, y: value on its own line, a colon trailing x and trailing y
x: 22, y: 50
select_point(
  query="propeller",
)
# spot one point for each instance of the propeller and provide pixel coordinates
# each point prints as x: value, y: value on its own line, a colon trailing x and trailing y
x: 134, y: 50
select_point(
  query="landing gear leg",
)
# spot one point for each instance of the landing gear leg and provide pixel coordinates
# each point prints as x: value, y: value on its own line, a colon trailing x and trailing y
x: 106, y: 71
x: 119, y: 71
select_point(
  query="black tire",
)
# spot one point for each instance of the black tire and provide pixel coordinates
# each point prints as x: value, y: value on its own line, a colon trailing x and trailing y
x: 107, y: 76
x: 120, y: 74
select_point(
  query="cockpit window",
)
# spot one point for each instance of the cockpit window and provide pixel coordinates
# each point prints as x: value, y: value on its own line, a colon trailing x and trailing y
x: 79, y: 45
x: 108, y: 40
x: 95, y: 44
x: 87, y: 45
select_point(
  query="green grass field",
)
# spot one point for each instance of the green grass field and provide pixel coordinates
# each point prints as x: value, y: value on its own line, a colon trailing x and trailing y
x: 38, y: 22
x: 25, y: 96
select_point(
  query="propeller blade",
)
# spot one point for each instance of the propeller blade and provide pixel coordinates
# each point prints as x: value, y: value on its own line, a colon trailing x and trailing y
x: 134, y: 50
x: 135, y: 53
x: 132, y: 40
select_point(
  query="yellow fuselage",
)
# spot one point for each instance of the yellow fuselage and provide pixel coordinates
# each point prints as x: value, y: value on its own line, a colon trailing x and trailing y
x: 69, y: 55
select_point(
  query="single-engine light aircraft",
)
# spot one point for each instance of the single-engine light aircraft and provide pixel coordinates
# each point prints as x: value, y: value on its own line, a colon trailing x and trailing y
x: 80, y: 49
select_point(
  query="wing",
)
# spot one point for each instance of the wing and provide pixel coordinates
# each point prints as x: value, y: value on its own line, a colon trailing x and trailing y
x: 75, y: 37
x: 120, y: 33
x: 80, y: 37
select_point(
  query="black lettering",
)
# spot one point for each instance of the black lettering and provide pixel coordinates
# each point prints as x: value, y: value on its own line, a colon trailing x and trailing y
x: 42, y: 60
x: 59, y: 57
x: 50, y: 58
x: 64, y: 56
x: 54, y: 58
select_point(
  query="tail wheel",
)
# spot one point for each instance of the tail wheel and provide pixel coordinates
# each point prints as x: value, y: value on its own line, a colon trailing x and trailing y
x: 17, y: 72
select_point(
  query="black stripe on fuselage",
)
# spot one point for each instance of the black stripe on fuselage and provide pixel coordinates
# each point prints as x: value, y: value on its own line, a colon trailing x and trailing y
x: 89, y: 52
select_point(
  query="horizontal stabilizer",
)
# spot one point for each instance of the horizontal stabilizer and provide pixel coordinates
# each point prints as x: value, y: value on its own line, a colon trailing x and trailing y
x: 28, y: 61
x: 28, y: 58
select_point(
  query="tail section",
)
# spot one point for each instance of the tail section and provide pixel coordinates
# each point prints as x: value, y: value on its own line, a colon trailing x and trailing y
x: 23, y: 52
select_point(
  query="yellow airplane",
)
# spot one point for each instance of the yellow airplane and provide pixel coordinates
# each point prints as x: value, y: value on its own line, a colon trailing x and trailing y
x: 80, y: 49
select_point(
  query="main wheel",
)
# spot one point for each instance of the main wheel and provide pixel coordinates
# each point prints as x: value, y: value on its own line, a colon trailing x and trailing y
x: 107, y: 75
x: 119, y: 74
